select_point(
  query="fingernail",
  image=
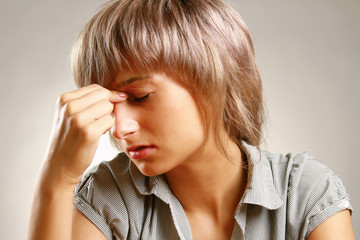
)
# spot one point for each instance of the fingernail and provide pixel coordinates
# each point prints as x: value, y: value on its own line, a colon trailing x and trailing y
x: 123, y: 95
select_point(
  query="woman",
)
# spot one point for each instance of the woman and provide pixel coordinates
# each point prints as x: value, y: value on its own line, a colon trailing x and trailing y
x: 177, y: 85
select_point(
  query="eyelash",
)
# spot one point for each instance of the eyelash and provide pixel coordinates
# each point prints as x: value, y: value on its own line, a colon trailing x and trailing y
x: 141, y: 99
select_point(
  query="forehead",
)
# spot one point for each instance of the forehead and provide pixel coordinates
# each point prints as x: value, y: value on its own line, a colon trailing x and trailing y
x: 125, y: 78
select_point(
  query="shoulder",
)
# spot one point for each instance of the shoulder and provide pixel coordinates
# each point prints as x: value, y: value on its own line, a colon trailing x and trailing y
x: 299, y: 173
x: 311, y: 191
x: 297, y: 166
x: 106, y: 193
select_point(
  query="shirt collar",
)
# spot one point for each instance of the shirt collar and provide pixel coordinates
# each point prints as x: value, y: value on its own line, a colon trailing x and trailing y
x: 156, y: 185
x: 260, y: 188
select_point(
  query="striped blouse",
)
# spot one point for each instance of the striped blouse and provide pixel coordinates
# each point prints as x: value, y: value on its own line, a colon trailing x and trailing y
x: 286, y: 198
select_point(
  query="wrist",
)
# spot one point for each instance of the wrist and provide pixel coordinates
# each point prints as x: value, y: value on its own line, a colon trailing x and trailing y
x: 55, y: 183
x: 49, y: 189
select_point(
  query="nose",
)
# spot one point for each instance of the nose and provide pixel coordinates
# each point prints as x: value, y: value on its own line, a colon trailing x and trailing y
x: 125, y: 122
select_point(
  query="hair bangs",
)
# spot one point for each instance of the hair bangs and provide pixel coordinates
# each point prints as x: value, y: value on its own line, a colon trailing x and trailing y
x: 124, y: 36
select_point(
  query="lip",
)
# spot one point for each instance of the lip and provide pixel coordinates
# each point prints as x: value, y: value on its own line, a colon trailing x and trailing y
x: 141, y: 151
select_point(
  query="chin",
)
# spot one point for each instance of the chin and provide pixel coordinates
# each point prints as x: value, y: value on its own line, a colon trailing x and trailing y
x: 150, y: 170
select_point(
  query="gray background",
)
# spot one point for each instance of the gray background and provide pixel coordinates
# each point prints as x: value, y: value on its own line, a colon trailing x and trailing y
x: 309, y: 57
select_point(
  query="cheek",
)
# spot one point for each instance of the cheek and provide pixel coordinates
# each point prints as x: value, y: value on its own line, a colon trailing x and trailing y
x: 180, y: 120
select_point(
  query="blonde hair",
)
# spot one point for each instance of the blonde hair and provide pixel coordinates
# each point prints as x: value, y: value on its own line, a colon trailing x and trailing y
x: 204, y: 44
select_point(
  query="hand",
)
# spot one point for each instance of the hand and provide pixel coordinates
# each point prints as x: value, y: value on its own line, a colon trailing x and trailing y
x: 81, y: 117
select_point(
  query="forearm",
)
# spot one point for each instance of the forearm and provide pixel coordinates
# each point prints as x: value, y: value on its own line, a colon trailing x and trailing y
x: 81, y: 117
x: 51, y: 215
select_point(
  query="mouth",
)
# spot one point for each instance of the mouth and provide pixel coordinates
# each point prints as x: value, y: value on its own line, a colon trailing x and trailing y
x: 141, y: 151
x: 134, y: 148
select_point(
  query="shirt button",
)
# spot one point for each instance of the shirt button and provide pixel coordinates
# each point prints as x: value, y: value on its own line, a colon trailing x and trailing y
x: 76, y: 200
x: 345, y: 203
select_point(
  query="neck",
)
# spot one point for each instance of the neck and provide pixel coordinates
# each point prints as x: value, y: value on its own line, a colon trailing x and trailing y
x: 210, y: 183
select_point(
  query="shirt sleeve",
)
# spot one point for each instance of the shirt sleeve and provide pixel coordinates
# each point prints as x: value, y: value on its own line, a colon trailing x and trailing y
x: 327, y: 198
x: 315, y: 194
x: 98, y: 198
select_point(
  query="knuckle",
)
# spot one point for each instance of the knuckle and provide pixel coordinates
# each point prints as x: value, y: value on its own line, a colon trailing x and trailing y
x: 76, y: 121
x: 107, y: 122
x: 94, y: 85
x: 110, y: 119
x: 109, y: 106
x: 104, y: 93
x: 96, y: 88
x: 69, y: 108
x: 63, y: 99
x: 106, y: 106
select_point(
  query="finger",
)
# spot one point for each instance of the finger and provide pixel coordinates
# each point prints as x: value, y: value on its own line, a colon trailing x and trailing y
x: 104, y: 123
x: 66, y: 97
x: 113, y: 96
x: 116, y: 96
x: 92, y: 113
x: 95, y: 129
x: 101, y: 94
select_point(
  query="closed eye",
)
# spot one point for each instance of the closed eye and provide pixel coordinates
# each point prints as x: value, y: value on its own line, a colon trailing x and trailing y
x: 141, y: 99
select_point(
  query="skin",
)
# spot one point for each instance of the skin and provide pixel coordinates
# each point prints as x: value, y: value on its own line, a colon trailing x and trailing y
x: 158, y: 112
x: 81, y: 117
x: 155, y: 121
x: 338, y: 226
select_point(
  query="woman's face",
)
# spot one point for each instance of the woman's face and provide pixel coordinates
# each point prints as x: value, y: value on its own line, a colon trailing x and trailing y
x: 159, y: 126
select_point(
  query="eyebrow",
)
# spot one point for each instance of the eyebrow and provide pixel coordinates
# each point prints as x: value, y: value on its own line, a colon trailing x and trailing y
x: 130, y: 80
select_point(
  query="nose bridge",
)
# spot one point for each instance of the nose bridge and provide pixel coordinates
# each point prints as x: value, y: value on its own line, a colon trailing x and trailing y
x: 125, y: 121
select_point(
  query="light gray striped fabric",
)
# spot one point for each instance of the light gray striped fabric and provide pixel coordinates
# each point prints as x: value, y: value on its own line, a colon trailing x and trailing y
x: 286, y: 198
